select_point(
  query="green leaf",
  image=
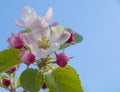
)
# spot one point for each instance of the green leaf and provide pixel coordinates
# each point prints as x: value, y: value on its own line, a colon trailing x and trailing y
x: 8, y: 59
x: 31, y: 80
x: 27, y: 30
x: 63, y: 80
x: 78, y: 39
x: 18, y: 82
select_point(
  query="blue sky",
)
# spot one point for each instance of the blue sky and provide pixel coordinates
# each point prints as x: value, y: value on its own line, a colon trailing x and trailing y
x: 97, y: 58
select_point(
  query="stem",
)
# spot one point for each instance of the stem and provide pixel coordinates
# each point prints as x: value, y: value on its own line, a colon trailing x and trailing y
x: 12, y: 80
x: 50, y: 67
x: 51, y: 62
x: 12, y: 88
x: 38, y: 64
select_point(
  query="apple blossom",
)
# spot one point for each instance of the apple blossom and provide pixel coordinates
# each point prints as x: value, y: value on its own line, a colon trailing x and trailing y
x: 32, y: 20
x: 62, y: 59
x: 27, y: 57
x: 38, y: 44
x: 41, y: 40
x: 15, y: 41
x: 42, y: 46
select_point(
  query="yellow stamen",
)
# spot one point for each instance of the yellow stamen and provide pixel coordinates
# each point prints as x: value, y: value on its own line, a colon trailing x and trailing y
x: 44, y: 43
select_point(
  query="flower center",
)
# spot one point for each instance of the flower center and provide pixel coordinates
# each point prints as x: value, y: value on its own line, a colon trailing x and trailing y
x: 44, y: 43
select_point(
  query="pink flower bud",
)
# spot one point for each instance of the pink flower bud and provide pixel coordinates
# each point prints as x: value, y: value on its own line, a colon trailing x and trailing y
x: 62, y: 59
x: 6, y: 82
x: 15, y: 41
x: 72, y: 37
x: 44, y: 86
x: 12, y: 70
x: 27, y: 57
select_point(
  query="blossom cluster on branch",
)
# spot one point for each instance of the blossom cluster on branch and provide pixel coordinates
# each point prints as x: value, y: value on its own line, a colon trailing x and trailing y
x: 39, y: 44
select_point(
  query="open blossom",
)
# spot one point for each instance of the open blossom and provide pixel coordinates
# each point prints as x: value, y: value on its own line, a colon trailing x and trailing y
x: 32, y: 20
x: 27, y: 57
x: 15, y: 41
x: 41, y: 40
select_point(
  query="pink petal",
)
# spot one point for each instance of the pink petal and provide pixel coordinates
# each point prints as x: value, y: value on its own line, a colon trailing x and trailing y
x: 15, y: 41
x: 20, y: 24
x: 54, y: 24
x: 27, y: 57
x: 49, y: 14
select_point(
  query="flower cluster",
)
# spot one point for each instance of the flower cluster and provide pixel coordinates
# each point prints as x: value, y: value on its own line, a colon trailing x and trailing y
x: 40, y: 43
x: 42, y: 40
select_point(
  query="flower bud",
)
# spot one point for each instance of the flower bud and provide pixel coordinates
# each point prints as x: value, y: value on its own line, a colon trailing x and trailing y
x: 72, y: 37
x: 6, y: 82
x: 12, y: 70
x: 27, y: 57
x: 15, y: 41
x: 44, y: 86
x: 62, y: 59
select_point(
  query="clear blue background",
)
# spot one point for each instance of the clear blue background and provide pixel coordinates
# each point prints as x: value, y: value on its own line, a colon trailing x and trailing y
x: 97, y: 58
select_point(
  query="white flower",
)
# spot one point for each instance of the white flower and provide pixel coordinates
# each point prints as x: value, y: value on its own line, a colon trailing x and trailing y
x: 44, y: 45
x: 31, y: 19
x: 41, y: 40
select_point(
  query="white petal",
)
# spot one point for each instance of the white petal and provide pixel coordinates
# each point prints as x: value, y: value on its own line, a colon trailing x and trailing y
x: 44, y: 23
x: 38, y: 34
x: 41, y: 53
x: 27, y: 38
x: 37, y: 23
x: 27, y: 13
x: 58, y: 29
x: 41, y: 29
x: 49, y: 14
x: 54, y: 47
x: 54, y: 36
x: 63, y: 37
x: 33, y: 23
